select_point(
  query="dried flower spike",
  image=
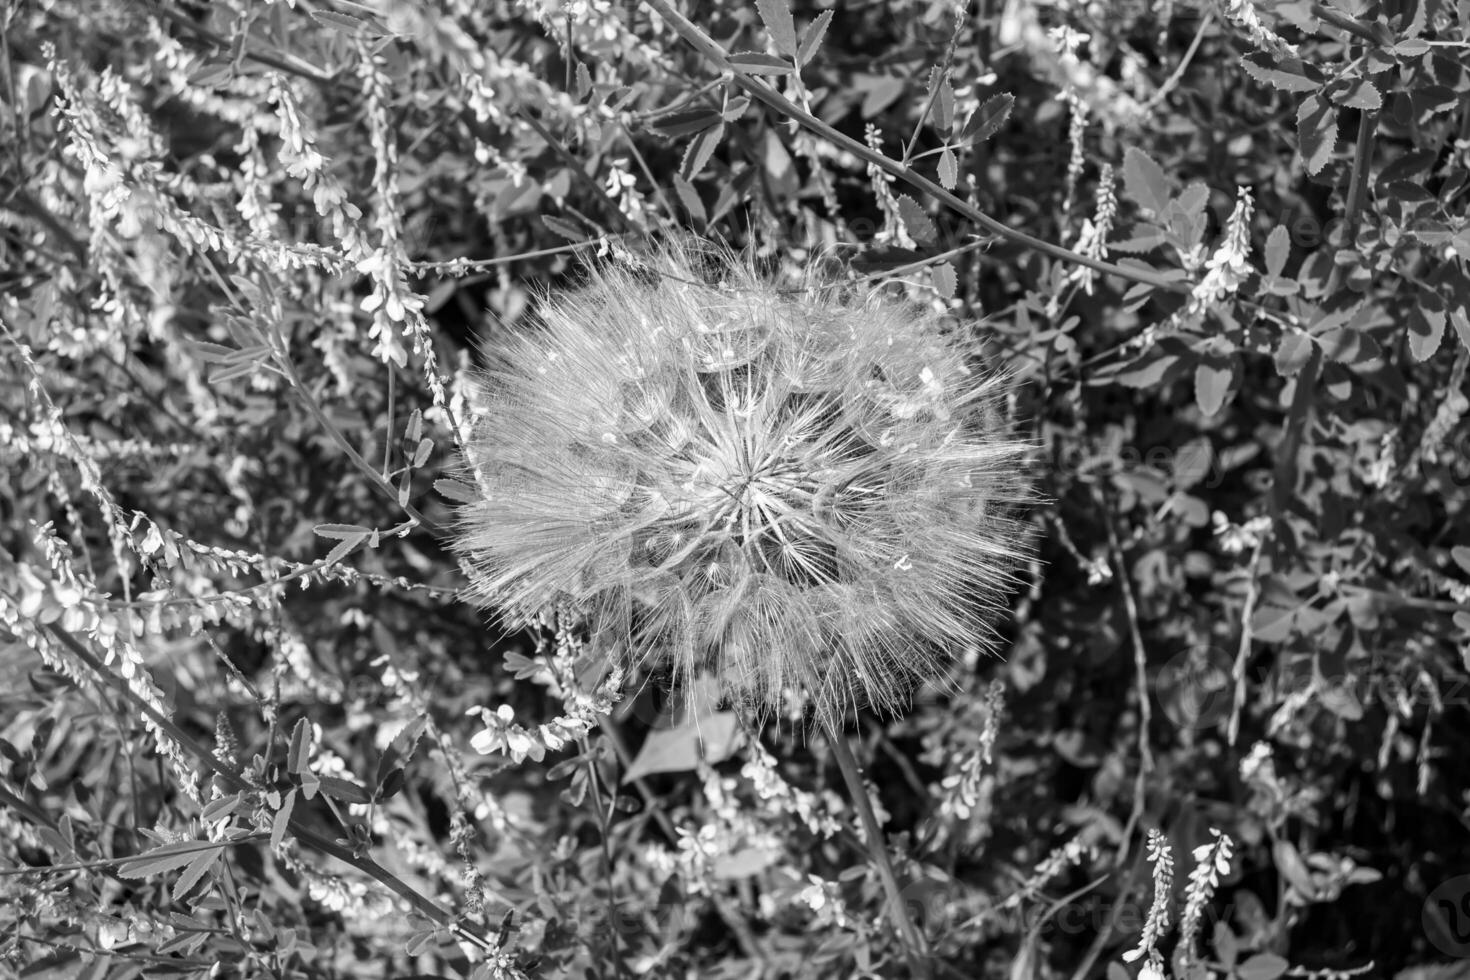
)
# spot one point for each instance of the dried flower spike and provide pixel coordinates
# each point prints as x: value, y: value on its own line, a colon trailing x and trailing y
x: 803, y: 489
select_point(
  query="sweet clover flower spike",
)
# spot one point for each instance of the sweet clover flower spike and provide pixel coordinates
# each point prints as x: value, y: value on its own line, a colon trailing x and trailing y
x: 799, y: 489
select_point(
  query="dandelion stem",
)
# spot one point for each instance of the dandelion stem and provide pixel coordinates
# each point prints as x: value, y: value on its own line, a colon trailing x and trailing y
x: 604, y: 825
x: 913, y: 940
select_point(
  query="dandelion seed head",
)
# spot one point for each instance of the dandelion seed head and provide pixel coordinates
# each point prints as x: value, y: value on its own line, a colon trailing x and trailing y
x: 803, y: 487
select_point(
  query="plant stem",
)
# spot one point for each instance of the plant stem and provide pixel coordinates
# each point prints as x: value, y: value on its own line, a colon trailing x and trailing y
x: 915, y: 946
x: 715, y: 54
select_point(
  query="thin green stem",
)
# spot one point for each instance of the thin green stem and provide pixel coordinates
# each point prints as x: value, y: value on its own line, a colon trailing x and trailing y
x: 915, y: 946
x: 604, y: 824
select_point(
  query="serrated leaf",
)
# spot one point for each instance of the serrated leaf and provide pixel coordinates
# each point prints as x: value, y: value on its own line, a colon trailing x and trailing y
x: 1144, y: 181
x: 734, y: 109
x: 346, y: 546
x: 920, y: 226
x: 1288, y: 75
x: 1360, y: 94
x: 165, y: 858
x: 195, y: 871
x: 986, y: 121
x: 1316, y: 126
x: 344, y: 790
x: 457, y: 490
x: 942, y: 95
x: 687, y: 122
x: 1426, y: 330
x: 220, y: 809
x: 760, y: 63
x: 949, y: 169
x: 700, y: 149
x: 811, y: 38
x: 348, y: 24
x: 943, y: 277
x: 691, y: 200
x: 1293, y: 352
x: 776, y: 15
x: 1278, y: 249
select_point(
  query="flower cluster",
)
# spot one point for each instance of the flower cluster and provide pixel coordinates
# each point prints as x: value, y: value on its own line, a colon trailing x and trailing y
x: 802, y: 488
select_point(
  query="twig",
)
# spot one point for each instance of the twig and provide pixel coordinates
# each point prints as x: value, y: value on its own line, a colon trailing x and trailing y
x: 1140, y: 664
x: 1178, y: 73
x: 716, y: 55
x: 1358, y: 179
x: 1242, y: 653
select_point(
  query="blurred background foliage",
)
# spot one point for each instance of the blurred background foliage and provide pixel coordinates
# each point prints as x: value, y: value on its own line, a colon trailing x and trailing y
x: 250, y: 253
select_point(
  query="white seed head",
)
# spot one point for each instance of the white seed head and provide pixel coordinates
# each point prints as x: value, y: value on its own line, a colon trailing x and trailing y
x: 802, y: 487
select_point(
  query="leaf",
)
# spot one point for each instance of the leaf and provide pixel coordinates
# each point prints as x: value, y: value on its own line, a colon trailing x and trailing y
x: 760, y: 63
x: 687, y: 122
x: 1278, y: 249
x: 195, y: 871
x: 678, y: 749
x: 1262, y: 966
x: 689, y: 197
x: 700, y: 149
x: 1289, y: 862
x: 811, y: 39
x: 344, y: 790
x: 563, y: 228
x: 943, y: 100
x: 920, y: 226
x: 1192, y: 462
x: 1144, y: 181
x: 220, y: 809
x: 297, y: 754
x: 986, y: 121
x: 1293, y: 351
x: 282, y: 819
x: 949, y: 169
x: 457, y: 490
x: 1289, y: 75
x: 345, y: 547
x: 212, y: 74
x: 1316, y: 125
x: 1360, y: 94
x: 1461, y: 554
x: 1426, y: 330
x: 167, y: 857
x: 943, y: 278
x: 776, y: 15
x: 349, y: 24
x: 1212, y: 384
